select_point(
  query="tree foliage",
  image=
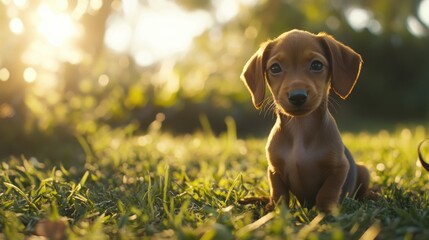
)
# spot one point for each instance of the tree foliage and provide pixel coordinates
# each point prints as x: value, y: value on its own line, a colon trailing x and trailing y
x: 82, y: 84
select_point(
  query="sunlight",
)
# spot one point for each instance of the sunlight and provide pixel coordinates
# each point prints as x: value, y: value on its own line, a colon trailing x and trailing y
x: 380, y: 167
x: 52, y: 32
x: 423, y: 12
x: 358, y: 18
x: 171, y: 31
x: 118, y: 35
x: 4, y: 74
x: 30, y: 75
x: 16, y: 26
x: 225, y: 10
x: 20, y: 3
x: 57, y: 28
x: 414, y: 27
x: 103, y: 80
x: 154, y: 31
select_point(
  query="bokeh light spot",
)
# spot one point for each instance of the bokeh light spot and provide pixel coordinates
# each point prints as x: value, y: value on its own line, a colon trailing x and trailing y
x: 30, y: 75
x: 103, y: 80
x: 415, y: 27
x: 226, y: 10
x: 358, y: 18
x: 56, y: 27
x: 333, y: 22
x: 6, y: 111
x: 20, y: 3
x: 16, y: 26
x: 118, y: 35
x: 154, y: 31
x: 4, y: 74
x: 423, y: 12
x: 251, y: 32
x: 380, y: 167
x: 95, y: 5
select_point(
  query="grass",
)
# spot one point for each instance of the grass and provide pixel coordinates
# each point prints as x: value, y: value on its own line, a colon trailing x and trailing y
x: 156, y: 186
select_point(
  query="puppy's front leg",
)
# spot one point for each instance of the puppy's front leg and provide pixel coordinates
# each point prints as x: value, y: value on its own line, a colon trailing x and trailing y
x: 329, y: 194
x: 278, y: 189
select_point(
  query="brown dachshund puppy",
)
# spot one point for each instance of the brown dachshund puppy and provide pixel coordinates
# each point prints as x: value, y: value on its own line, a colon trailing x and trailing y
x: 306, y: 155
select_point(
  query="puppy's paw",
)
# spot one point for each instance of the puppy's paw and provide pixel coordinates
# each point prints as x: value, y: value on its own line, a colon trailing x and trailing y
x: 328, y: 208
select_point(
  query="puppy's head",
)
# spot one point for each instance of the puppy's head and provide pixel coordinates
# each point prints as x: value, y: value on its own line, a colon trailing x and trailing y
x: 300, y: 68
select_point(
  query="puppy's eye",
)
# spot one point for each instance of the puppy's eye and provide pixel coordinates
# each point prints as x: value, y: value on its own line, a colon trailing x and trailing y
x: 316, y: 66
x: 275, y: 68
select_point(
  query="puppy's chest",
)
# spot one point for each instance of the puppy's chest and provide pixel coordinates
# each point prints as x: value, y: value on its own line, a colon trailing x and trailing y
x: 294, y: 156
x: 297, y: 160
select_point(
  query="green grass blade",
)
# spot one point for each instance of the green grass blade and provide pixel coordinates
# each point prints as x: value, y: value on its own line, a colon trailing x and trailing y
x: 22, y: 194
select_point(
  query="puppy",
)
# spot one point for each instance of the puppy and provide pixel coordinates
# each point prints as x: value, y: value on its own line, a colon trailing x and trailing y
x: 306, y: 156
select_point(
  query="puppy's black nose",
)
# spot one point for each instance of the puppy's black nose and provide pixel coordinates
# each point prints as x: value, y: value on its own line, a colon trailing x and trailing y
x: 298, y: 97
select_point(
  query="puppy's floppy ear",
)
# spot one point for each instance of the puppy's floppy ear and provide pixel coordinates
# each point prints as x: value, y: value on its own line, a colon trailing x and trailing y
x: 253, y: 75
x: 345, y: 66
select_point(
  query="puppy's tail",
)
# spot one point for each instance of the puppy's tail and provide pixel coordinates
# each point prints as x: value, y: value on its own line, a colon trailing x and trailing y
x: 419, y: 151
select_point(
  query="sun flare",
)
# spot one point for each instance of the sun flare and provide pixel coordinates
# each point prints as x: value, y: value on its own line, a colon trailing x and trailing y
x: 57, y: 28
x: 53, y: 33
x: 154, y: 32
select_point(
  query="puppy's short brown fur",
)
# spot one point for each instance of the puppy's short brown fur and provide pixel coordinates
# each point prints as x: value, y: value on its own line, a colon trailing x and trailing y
x: 306, y: 155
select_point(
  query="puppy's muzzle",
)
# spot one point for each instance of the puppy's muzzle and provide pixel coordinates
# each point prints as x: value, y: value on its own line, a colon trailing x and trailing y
x: 298, y: 97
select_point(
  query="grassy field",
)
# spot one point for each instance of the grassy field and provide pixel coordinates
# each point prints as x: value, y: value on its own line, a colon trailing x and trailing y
x: 156, y: 186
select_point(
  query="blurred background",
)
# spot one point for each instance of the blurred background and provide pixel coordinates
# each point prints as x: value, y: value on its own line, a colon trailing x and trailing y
x: 69, y: 68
